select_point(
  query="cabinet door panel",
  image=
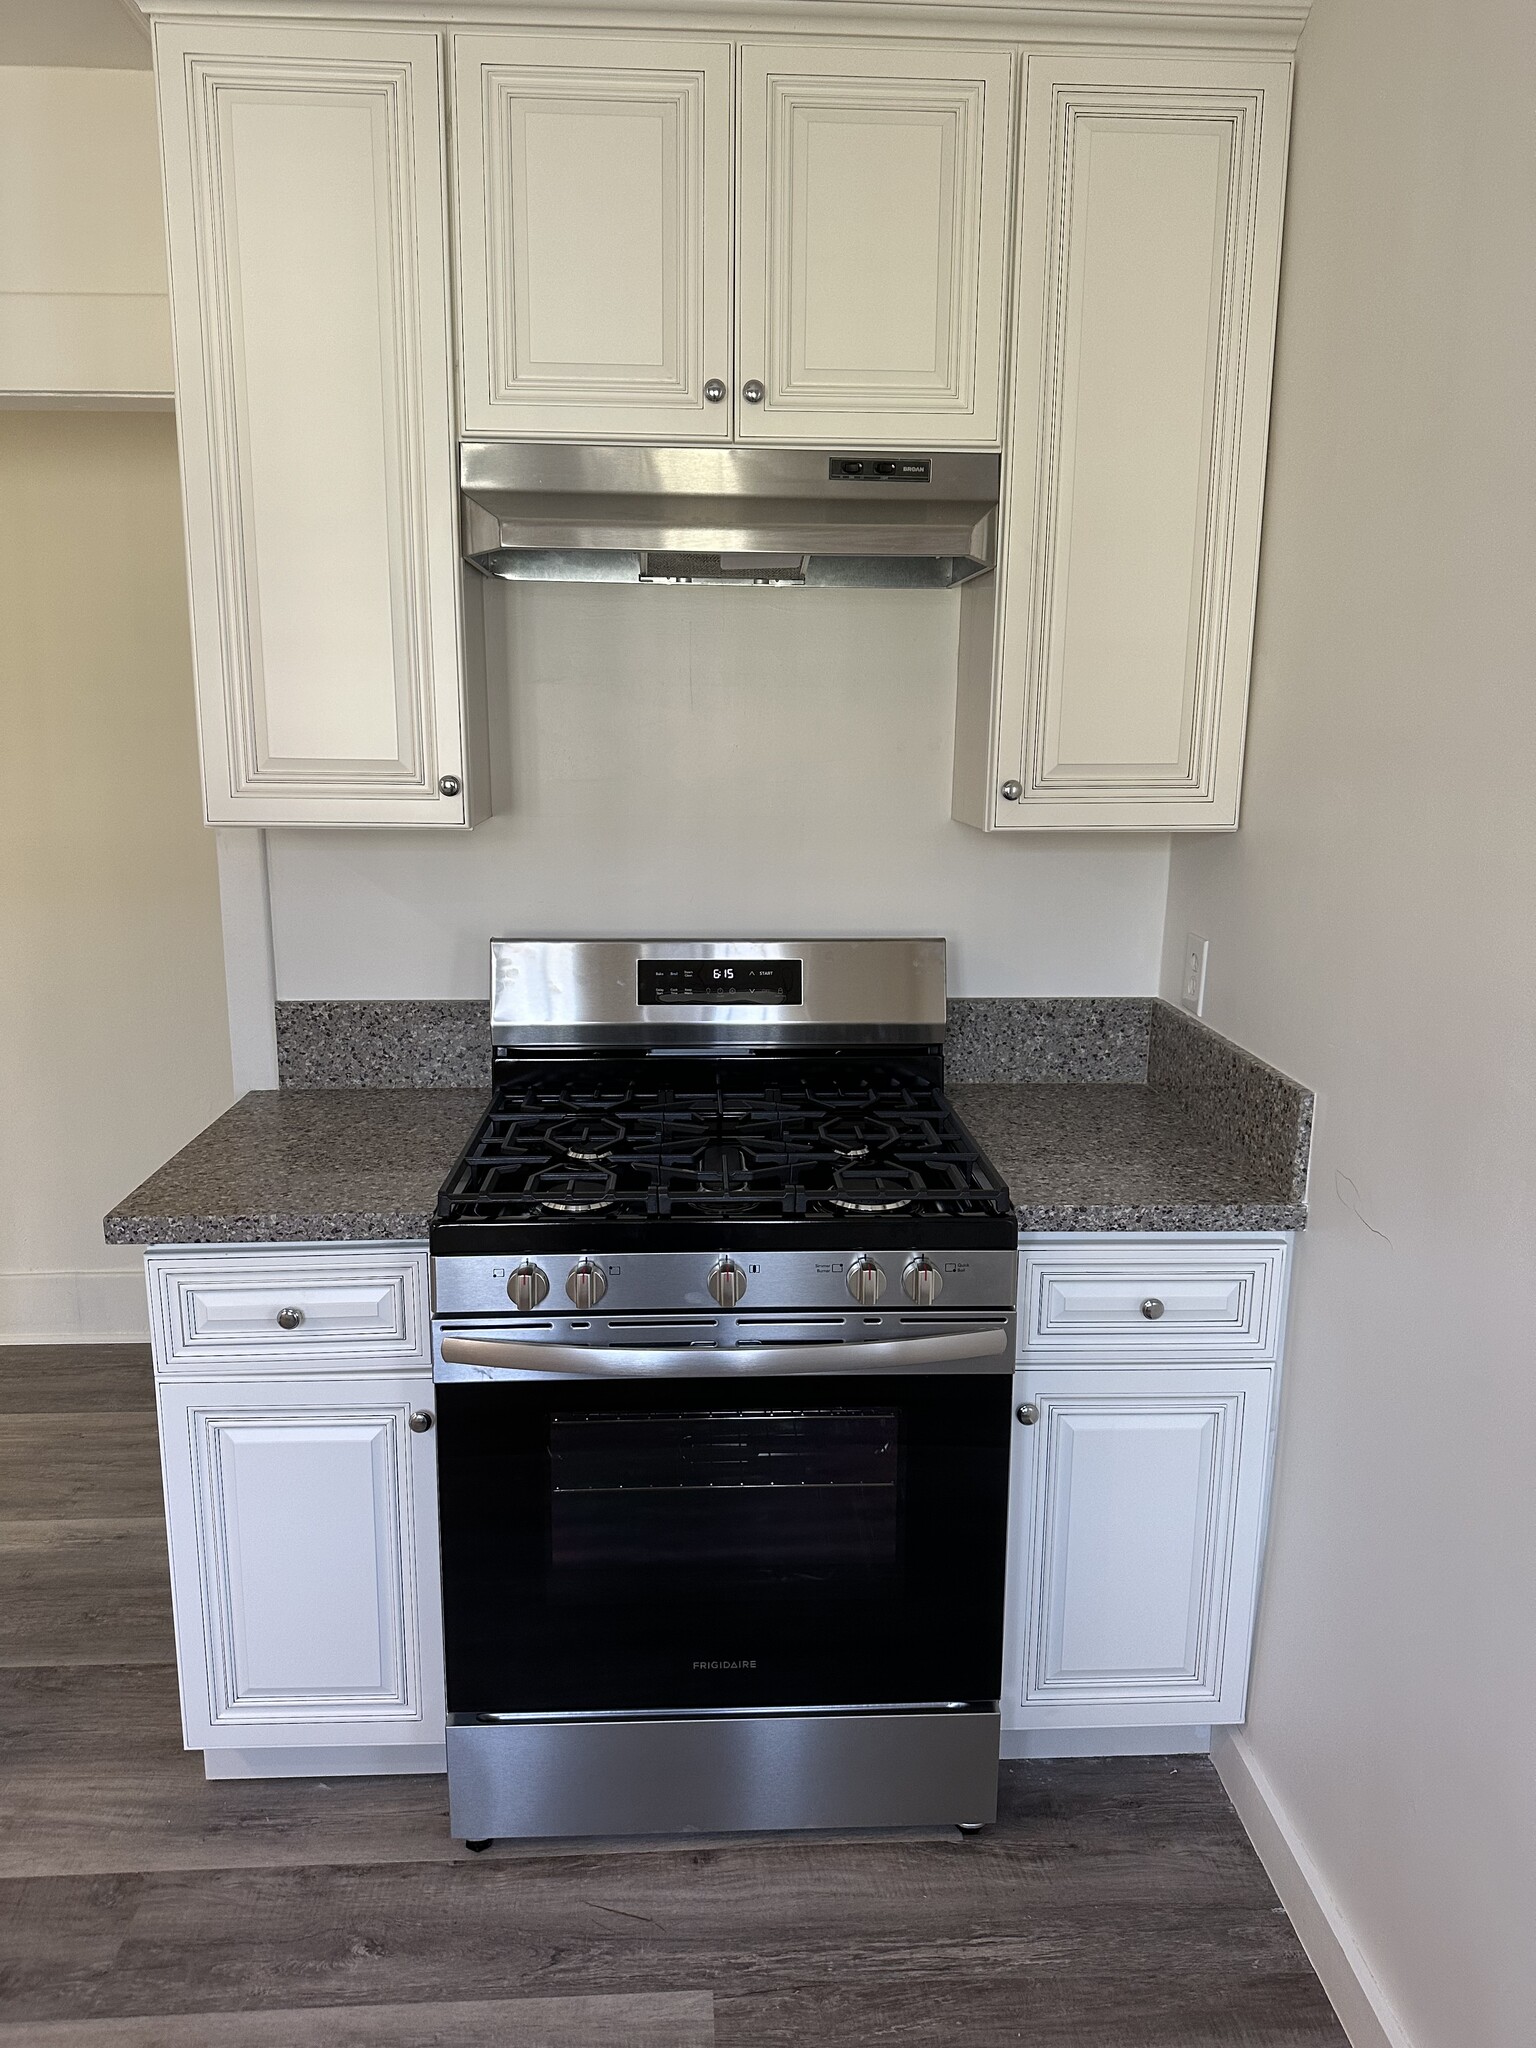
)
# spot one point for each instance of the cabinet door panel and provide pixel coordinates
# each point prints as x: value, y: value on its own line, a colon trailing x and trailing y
x: 872, y: 259
x: 1148, y: 258
x: 304, y: 188
x: 1136, y: 1515
x: 303, y: 1549
x: 594, y: 182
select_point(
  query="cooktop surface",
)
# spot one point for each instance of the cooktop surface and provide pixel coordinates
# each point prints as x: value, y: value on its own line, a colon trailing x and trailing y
x: 842, y: 1144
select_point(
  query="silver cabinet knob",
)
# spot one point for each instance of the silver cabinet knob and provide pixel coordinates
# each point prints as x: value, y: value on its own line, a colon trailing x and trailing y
x: 922, y: 1281
x: 1027, y: 1413
x: 527, y: 1286
x: 448, y: 785
x: 1152, y: 1308
x: 586, y: 1283
x: 714, y: 391
x: 866, y: 1282
x: 1011, y: 792
x: 289, y: 1318
x: 421, y: 1420
x: 727, y: 1283
x: 752, y: 391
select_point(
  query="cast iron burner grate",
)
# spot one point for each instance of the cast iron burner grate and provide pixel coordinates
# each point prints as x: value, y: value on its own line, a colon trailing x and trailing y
x: 875, y: 1190
x: 587, y: 1138
x: 716, y: 1141
x: 572, y: 1190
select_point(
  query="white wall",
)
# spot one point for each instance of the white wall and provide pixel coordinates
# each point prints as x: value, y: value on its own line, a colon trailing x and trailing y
x: 747, y: 762
x: 84, y: 297
x: 114, y: 1038
x: 1373, y: 930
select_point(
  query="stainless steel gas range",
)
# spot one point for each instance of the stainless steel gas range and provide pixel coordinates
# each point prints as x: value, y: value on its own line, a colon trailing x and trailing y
x: 723, y: 1330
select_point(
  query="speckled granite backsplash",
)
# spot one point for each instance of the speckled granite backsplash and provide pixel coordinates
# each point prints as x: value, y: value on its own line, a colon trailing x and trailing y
x: 1047, y: 1038
x: 1239, y: 1102
x: 1224, y: 1090
x: 384, y: 1045
x: 448, y: 1045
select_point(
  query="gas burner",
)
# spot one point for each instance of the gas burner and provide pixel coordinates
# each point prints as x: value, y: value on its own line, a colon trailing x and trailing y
x: 588, y: 1138
x: 874, y: 1190
x: 572, y: 1190
x: 855, y: 1137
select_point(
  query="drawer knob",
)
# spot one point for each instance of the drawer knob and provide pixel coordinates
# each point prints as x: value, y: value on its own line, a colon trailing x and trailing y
x: 1027, y: 1413
x: 421, y: 1420
x: 1152, y: 1308
x: 289, y: 1318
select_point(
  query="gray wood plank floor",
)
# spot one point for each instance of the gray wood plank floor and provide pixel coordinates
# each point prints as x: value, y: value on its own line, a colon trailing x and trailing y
x: 1115, y: 1904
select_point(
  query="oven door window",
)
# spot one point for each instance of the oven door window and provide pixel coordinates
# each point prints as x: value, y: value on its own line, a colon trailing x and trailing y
x: 817, y: 1542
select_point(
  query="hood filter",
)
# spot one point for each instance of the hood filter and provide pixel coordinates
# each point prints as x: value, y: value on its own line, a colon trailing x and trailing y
x: 675, y: 566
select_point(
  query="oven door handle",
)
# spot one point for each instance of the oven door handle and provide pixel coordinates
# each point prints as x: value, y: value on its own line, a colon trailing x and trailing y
x: 955, y: 1351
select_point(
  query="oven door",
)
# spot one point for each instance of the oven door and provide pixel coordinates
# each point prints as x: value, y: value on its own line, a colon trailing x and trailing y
x: 675, y: 1540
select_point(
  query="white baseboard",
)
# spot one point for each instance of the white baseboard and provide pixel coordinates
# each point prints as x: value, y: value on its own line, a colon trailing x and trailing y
x: 417, y: 1759
x: 104, y: 1307
x: 1365, y: 2012
x: 1064, y: 1742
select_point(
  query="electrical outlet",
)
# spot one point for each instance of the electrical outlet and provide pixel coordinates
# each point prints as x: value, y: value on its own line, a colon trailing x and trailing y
x: 1197, y: 953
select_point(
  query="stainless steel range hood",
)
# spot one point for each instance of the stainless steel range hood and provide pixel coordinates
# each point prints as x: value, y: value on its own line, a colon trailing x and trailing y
x: 554, y: 512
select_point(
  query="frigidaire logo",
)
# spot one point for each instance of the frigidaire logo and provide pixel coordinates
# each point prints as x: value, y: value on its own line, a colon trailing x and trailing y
x: 725, y: 1663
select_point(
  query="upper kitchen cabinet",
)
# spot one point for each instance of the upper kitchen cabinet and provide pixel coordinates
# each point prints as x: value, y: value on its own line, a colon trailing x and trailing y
x: 305, y: 180
x: 594, y: 235
x: 1109, y: 688
x: 871, y: 259
x: 605, y: 293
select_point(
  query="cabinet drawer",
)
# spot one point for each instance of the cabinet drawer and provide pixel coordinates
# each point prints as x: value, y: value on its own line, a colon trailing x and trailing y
x: 287, y: 1310
x: 1117, y: 1301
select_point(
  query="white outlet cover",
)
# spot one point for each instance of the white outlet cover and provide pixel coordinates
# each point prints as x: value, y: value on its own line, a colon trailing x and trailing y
x: 1197, y: 953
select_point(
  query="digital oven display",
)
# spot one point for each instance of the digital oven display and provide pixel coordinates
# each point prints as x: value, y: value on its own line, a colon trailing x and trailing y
x: 756, y: 983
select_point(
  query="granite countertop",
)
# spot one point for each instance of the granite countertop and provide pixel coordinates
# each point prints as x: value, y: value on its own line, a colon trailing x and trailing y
x: 314, y: 1163
x: 333, y: 1164
x: 1091, y: 1156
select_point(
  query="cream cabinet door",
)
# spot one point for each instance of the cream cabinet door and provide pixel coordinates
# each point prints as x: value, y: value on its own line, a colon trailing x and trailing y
x: 872, y: 242
x: 1134, y: 1528
x: 305, y: 180
x: 593, y: 179
x: 1147, y: 262
x: 303, y: 1536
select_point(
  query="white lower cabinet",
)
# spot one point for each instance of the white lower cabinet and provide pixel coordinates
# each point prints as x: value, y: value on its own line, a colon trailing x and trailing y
x: 303, y: 1537
x: 296, y: 1412
x: 1134, y: 1532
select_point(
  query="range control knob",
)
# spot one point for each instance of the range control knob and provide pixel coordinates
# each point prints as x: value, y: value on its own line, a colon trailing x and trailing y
x: 586, y: 1283
x: 527, y: 1286
x: 922, y: 1280
x: 866, y: 1282
x: 727, y: 1283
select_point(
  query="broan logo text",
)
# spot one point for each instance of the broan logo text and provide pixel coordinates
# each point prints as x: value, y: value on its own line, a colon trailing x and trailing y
x: 725, y: 1663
